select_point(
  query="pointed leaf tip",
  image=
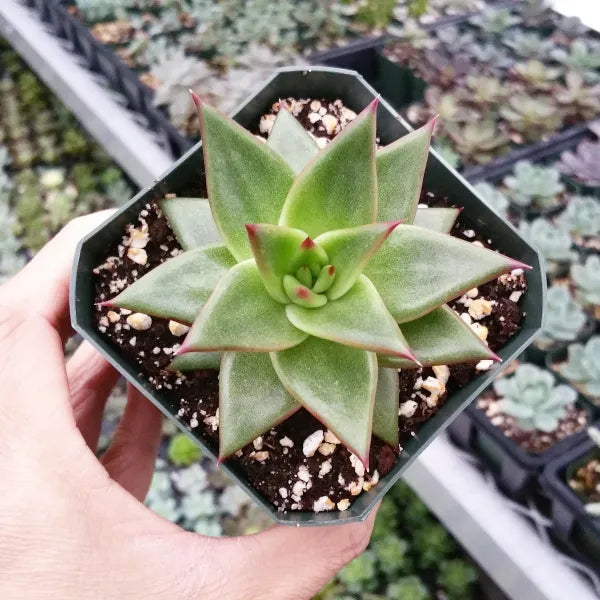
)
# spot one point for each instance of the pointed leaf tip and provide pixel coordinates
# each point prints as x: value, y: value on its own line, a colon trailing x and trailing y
x: 196, y: 99
x: 331, y: 270
x: 307, y: 243
x: 251, y: 229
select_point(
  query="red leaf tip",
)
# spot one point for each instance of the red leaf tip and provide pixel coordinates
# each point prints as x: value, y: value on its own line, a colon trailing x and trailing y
x: 494, y: 356
x: 106, y: 304
x: 433, y: 121
x: 302, y: 292
x: 517, y: 264
x: 374, y: 104
x: 307, y: 243
x: 391, y: 225
x: 196, y: 99
x: 331, y: 270
x: 251, y: 229
x: 183, y: 349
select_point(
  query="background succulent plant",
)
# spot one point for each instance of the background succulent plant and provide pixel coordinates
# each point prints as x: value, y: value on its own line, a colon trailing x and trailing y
x: 310, y: 329
x: 593, y: 508
x: 582, y: 56
x: 564, y: 318
x: 534, y: 186
x: 586, y: 279
x: 536, y: 74
x: 582, y: 164
x: 582, y: 367
x: 495, y: 20
x: 478, y: 141
x: 528, y: 44
x: 532, y: 116
x: 554, y: 243
x: 581, y: 217
x: 579, y: 99
x: 533, y: 399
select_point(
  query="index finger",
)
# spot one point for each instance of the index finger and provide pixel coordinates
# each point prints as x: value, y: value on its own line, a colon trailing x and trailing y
x: 42, y: 287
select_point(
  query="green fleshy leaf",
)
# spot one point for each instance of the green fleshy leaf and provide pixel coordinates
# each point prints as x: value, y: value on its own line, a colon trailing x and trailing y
x: 437, y: 219
x: 349, y: 250
x: 440, y: 338
x: 191, y: 221
x: 400, y: 170
x: 252, y: 400
x: 241, y: 316
x: 417, y: 270
x: 247, y: 181
x: 336, y: 384
x: 324, y: 280
x: 385, y: 415
x: 359, y: 319
x: 338, y: 188
x: 178, y: 288
x: 291, y: 141
x: 274, y: 248
x: 311, y: 255
x: 302, y: 295
x: 196, y: 361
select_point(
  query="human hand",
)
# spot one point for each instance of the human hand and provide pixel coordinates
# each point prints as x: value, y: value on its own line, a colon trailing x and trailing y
x: 74, y: 527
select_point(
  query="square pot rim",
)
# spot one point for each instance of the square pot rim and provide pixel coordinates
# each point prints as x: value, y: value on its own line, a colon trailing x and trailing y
x: 308, y: 518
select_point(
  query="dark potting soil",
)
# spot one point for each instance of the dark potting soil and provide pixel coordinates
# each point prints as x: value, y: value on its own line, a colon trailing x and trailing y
x: 534, y: 441
x: 586, y: 481
x: 278, y: 464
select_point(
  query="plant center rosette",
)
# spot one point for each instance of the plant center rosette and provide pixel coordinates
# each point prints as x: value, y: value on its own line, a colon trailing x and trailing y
x: 325, y: 280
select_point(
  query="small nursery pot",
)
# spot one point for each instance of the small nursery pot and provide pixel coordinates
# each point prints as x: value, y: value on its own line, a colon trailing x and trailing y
x: 571, y: 524
x: 559, y: 356
x: 515, y: 470
x: 316, y: 82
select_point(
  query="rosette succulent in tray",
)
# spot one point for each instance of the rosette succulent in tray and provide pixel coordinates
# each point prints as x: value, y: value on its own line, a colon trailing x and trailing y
x: 311, y: 278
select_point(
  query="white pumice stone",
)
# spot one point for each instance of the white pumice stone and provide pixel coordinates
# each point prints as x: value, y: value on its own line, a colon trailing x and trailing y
x: 286, y: 442
x: 283, y: 493
x: 343, y: 504
x: 323, y: 504
x: 407, y: 409
x: 331, y: 124
x: 178, y: 329
x: 258, y: 443
x: 261, y: 456
x: 331, y: 438
x: 139, y: 321
x: 137, y: 255
x: 325, y: 468
x: 303, y: 473
x: 266, y: 123
x: 481, y: 331
x: 442, y: 372
x: 326, y: 449
x: 312, y: 442
x: 359, y: 468
x: 113, y: 317
x: 313, y: 117
x: 484, y: 365
x: 480, y: 308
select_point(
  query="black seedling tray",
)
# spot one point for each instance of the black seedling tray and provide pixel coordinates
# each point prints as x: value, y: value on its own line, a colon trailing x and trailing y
x: 572, y: 526
x: 516, y: 471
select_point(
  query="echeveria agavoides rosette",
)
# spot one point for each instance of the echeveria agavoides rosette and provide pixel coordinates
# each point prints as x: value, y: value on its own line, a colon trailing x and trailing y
x: 322, y: 277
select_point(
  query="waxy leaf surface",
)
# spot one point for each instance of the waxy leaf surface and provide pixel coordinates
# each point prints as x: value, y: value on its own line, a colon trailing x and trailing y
x: 241, y: 316
x: 291, y: 141
x: 195, y: 361
x: 178, y: 288
x: 349, y: 250
x: 441, y: 337
x: 436, y: 219
x: 385, y: 415
x: 252, y: 400
x: 338, y: 188
x: 274, y: 247
x: 247, y: 181
x: 417, y: 270
x: 336, y: 384
x: 400, y: 170
x: 359, y: 319
x: 192, y: 222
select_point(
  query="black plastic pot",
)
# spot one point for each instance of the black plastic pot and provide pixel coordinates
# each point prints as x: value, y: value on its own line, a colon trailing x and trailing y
x: 318, y: 82
x: 516, y: 471
x: 571, y: 524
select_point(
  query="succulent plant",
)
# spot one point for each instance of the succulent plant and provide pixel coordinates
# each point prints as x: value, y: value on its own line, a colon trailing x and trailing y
x: 407, y: 588
x: 486, y: 89
x: 532, y: 116
x: 490, y: 55
x: 535, y: 13
x: 536, y: 74
x: 582, y: 367
x: 359, y: 575
x: 583, y: 56
x: 554, y: 243
x: 182, y: 452
x: 493, y: 197
x: 302, y: 299
x: 533, y: 186
x: 593, y: 508
x: 571, y: 27
x: 391, y: 553
x: 586, y: 278
x: 445, y: 70
x: 528, y: 44
x: 456, y: 577
x: 578, y: 98
x: 454, y: 38
x: 495, y: 20
x: 533, y: 399
x: 581, y: 217
x: 448, y: 106
x: 445, y: 149
x: 564, y: 318
x: 582, y: 164
x: 479, y: 141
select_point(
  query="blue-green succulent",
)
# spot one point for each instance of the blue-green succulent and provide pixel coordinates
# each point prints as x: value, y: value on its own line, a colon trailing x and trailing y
x: 582, y: 367
x: 586, y: 279
x: 564, y: 318
x: 533, y: 186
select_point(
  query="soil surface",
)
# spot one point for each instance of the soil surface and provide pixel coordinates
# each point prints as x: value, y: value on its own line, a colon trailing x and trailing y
x: 586, y: 481
x: 276, y: 464
x: 535, y: 441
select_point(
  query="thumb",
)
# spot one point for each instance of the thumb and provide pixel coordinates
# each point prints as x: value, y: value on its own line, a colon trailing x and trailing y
x: 286, y: 562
